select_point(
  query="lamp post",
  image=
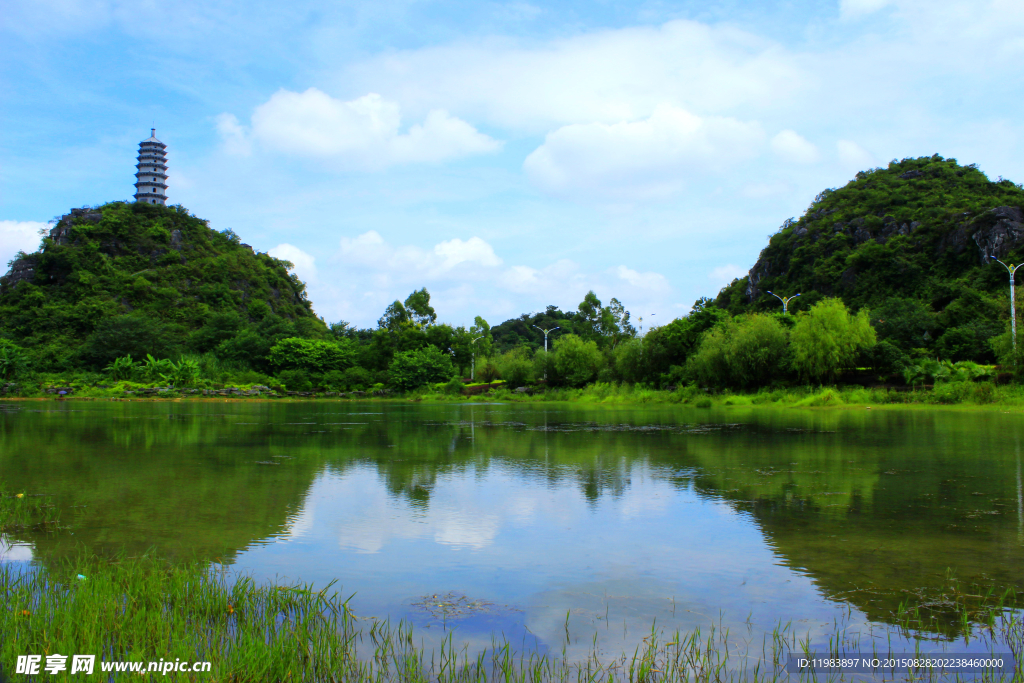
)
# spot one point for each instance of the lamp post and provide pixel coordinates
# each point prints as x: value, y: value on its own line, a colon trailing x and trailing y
x: 546, y: 348
x: 472, y: 369
x: 1011, y: 269
x: 785, y: 301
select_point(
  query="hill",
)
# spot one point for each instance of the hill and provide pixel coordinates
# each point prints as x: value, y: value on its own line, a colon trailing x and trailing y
x: 140, y: 278
x: 911, y: 242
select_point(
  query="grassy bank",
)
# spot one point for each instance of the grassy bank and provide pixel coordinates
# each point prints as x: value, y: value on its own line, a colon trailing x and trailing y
x: 145, y: 610
x: 986, y: 394
x: 966, y: 393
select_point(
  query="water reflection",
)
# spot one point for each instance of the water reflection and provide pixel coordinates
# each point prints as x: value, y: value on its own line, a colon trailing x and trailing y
x: 628, y: 514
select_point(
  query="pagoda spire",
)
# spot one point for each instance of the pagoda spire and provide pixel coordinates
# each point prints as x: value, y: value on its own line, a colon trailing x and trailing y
x: 151, y: 171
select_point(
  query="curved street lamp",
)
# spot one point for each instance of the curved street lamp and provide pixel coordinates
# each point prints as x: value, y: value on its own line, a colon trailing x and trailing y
x: 545, y: 348
x: 1012, y: 270
x: 785, y: 301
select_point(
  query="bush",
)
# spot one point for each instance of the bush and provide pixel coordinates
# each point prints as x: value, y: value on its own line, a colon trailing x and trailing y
x: 488, y: 372
x: 312, y: 355
x: 515, y: 367
x: 887, y: 358
x: 746, y: 351
x: 412, y: 369
x: 576, y: 361
x: 826, y: 340
x: 126, y: 335
x: 12, y: 360
x: 295, y: 380
x: 454, y: 386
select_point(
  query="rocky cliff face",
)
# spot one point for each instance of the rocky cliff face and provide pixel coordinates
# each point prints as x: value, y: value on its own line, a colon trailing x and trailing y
x: 898, y: 231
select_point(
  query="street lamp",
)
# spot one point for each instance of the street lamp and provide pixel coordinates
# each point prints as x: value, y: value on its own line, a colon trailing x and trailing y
x: 1011, y: 269
x: 546, y: 348
x: 472, y: 370
x: 785, y: 301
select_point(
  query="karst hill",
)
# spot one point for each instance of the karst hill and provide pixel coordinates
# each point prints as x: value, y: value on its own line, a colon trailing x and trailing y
x: 912, y: 242
x: 147, y: 277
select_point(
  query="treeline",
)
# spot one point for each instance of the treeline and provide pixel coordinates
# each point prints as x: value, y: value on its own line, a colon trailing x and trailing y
x: 409, y: 349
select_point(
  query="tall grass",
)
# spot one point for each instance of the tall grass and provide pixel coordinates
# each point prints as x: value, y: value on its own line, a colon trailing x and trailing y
x: 143, y: 609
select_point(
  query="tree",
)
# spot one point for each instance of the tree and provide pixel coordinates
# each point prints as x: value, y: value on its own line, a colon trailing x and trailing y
x: 746, y: 351
x: 312, y: 355
x: 412, y: 369
x: 127, y: 335
x: 576, y: 360
x: 515, y: 367
x: 827, y: 339
x: 418, y: 307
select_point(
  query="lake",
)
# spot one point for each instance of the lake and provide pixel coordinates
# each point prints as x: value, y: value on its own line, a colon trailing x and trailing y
x: 558, y: 526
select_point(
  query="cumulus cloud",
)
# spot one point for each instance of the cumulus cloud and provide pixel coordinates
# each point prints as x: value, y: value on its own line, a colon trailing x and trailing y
x: 723, y: 275
x: 647, y: 158
x: 854, y: 157
x: 362, y: 133
x: 465, y: 277
x: 600, y: 76
x: 18, y: 236
x: 849, y: 9
x: 304, y: 264
x: 790, y: 146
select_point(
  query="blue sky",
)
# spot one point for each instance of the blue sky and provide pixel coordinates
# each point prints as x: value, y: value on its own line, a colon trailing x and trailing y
x: 506, y: 155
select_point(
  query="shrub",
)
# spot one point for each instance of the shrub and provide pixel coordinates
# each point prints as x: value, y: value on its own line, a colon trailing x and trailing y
x: 127, y: 335
x: 295, y: 380
x: 488, y: 372
x: 454, y: 386
x: 312, y: 355
x: 12, y: 360
x: 629, y: 361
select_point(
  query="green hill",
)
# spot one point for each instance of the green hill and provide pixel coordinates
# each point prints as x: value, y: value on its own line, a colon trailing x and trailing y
x: 141, y: 278
x: 912, y: 243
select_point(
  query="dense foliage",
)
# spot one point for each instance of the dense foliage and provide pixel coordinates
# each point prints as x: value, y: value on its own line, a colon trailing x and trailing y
x: 911, y: 243
x: 894, y: 272
x: 131, y: 279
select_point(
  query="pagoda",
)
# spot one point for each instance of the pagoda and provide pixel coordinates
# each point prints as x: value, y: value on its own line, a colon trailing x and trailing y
x: 151, y: 176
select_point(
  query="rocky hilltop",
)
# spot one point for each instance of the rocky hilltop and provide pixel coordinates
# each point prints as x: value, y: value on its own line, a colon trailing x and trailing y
x: 916, y: 236
x: 149, y: 265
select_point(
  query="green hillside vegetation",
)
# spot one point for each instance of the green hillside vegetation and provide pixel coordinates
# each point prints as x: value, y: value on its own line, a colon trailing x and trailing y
x: 911, y: 243
x: 897, y: 285
x: 136, y: 279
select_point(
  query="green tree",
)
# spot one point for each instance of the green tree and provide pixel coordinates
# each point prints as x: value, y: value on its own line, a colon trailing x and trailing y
x: 746, y: 351
x: 312, y: 355
x: 418, y: 307
x: 515, y: 367
x: 576, y: 360
x: 412, y: 369
x: 127, y: 335
x: 827, y: 340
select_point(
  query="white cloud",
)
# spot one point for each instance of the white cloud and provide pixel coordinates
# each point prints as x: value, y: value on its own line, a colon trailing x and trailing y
x: 853, y: 156
x: 18, y: 236
x: 849, y: 9
x: 790, y: 146
x: 362, y: 133
x: 465, y: 277
x: 600, y: 76
x: 305, y: 264
x: 648, y: 158
x: 233, y: 135
x: 723, y: 275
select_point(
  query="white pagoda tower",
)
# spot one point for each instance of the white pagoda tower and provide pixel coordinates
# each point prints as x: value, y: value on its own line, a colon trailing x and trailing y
x: 151, y: 176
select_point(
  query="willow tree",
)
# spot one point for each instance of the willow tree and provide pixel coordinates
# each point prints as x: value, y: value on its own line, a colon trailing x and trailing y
x: 827, y: 339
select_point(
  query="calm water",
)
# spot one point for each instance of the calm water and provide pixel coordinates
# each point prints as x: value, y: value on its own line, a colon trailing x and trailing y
x: 616, y: 516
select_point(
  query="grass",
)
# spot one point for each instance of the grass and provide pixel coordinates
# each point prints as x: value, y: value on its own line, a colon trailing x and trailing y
x: 143, y: 609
